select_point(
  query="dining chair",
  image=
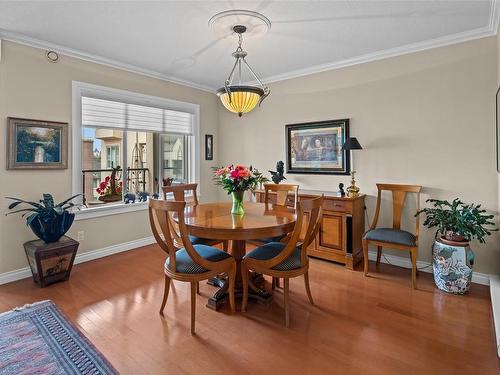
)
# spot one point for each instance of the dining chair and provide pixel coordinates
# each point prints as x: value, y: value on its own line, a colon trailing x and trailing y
x: 192, y: 263
x: 286, y: 260
x: 179, y: 193
x: 395, y: 237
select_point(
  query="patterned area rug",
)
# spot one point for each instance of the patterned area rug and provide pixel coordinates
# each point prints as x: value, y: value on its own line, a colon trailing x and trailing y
x: 38, y: 339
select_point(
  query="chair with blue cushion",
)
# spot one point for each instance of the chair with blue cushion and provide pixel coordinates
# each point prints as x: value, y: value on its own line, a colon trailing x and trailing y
x: 286, y: 259
x: 192, y: 263
x: 178, y: 192
x: 395, y: 237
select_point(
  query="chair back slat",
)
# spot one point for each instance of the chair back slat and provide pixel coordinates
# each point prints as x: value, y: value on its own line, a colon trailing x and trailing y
x: 160, y: 214
x: 313, y: 208
x: 399, y: 193
x: 179, y: 192
x: 282, y: 191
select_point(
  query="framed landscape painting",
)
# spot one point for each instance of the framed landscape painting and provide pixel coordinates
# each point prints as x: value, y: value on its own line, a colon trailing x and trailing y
x: 316, y: 147
x: 34, y: 144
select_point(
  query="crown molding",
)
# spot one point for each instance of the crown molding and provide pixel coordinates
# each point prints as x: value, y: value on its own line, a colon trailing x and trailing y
x: 391, y: 52
x: 40, y: 44
x: 448, y: 40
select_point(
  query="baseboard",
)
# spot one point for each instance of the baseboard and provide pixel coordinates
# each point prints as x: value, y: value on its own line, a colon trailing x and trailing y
x: 25, y: 272
x: 477, y: 277
x: 495, y: 304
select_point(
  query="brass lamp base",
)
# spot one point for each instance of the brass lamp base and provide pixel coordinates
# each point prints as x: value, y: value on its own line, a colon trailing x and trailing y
x: 353, y: 190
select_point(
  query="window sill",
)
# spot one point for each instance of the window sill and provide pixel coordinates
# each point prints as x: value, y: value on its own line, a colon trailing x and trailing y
x: 92, y: 212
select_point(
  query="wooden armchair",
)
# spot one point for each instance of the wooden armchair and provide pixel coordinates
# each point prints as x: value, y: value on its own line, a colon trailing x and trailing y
x: 286, y: 260
x: 395, y: 237
x: 193, y: 263
x: 179, y: 193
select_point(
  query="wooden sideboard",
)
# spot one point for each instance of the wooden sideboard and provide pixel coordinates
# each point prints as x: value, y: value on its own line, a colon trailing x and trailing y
x: 342, y: 228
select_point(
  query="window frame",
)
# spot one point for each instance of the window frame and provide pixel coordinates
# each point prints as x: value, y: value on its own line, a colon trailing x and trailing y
x: 80, y: 89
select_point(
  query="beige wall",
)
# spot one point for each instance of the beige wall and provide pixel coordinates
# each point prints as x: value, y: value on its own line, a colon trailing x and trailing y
x: 32, y: 87
x: 425, y: 118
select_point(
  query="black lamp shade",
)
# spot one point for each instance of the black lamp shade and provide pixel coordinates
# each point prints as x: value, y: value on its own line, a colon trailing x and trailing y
x: 351, y: 144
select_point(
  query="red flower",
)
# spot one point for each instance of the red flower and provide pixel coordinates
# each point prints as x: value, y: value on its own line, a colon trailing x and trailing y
x: 107, y: 178
x: 103, y: 185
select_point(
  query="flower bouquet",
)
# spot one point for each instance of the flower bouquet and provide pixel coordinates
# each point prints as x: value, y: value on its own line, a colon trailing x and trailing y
x: 236, y: 179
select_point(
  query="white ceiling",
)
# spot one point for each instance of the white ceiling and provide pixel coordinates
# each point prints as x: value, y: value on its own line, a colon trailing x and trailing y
x: 172, y: 40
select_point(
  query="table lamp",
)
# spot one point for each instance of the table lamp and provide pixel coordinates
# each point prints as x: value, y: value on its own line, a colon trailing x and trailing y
x: 349, y: 145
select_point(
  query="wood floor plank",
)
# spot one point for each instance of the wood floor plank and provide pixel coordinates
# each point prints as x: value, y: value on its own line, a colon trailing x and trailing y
x: 373, y: 325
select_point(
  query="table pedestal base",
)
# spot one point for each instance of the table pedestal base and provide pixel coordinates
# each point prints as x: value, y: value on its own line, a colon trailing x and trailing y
x: 255, y: 293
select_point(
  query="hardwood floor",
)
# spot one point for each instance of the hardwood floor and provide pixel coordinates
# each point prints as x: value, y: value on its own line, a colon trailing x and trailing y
x: 374, y: 325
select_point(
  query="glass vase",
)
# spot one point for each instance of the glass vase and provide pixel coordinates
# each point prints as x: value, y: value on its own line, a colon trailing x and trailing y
x: 237, y: 208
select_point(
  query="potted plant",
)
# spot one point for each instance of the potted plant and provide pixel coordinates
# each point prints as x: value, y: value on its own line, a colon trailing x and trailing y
x: 49, y: 221
x: 236, y: 179
x: 110, y: 189
x: 457, y: 224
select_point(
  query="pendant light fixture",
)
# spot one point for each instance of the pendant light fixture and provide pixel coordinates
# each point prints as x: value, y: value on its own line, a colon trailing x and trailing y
x: 240, y: 98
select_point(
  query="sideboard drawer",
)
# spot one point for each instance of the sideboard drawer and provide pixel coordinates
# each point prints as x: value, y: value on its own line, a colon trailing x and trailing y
x: 337, y: 205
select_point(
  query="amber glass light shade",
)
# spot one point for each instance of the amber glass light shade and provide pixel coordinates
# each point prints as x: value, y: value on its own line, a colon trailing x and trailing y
x: 243, y: 98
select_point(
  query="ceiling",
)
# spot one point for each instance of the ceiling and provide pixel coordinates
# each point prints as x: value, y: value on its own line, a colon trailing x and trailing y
x: 172, y: 40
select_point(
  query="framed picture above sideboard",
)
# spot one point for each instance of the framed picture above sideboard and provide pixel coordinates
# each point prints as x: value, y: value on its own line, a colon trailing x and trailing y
x: 316, y: 147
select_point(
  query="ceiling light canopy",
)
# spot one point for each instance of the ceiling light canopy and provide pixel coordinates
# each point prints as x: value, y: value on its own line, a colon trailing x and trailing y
x: 239, y: 97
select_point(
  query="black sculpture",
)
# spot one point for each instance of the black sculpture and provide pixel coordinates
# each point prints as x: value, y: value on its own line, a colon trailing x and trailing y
x: 129, y: 198
x: 279, y: 175
x: 143, y: 196
x: 341, y: 190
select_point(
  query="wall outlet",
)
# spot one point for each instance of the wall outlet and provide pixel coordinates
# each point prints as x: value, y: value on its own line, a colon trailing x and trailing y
x: 80, y: 236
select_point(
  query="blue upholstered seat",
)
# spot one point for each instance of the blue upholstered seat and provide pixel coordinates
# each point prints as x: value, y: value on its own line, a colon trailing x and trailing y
x: 201, y: 241
x: 272, y: 249
x: 271, y: 239
x: 397, y: 236
x: 184, y: 263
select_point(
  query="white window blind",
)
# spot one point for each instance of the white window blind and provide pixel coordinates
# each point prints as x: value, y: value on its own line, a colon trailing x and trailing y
x: 111, y: 114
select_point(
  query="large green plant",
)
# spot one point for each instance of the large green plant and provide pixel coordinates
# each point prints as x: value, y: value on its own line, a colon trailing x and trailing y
x: 44, y: 209
x: 467, y: 220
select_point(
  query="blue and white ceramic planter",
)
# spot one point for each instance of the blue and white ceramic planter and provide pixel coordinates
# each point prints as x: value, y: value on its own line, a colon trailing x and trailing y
x: 452, y: 263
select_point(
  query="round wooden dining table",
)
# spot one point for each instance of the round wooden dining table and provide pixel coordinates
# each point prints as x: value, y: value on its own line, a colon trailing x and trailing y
x: 215, y: 221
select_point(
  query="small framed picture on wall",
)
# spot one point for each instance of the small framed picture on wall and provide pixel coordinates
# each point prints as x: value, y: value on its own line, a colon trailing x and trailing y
x: 209, y: 147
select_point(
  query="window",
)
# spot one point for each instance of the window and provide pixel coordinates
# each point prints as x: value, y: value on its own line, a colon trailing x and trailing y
x: 112, y: 156
x: 130, y: 143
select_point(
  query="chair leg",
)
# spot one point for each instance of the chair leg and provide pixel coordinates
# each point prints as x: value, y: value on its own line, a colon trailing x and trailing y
x: 365, y: 256
x: 193, y: 305
x: 308, y: 288
x: 286, y: 302
x: 198, y: 287
x: 225, y: 246
x: 244, y: 276
x: 413, y: 253
x: 273, y: 283
x: 232, y: 282
x: 379, y: 254
x: 165, y: 293
x: 277, y: 281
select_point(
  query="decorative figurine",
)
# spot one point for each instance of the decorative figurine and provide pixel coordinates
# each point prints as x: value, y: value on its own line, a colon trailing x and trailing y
x: 143, y: 196
x: 129, y: 198
x: 155, y: 196
x: 278, y: 176
x: 353, y: 190
x: 168, y: 181
x: 341, y: 191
